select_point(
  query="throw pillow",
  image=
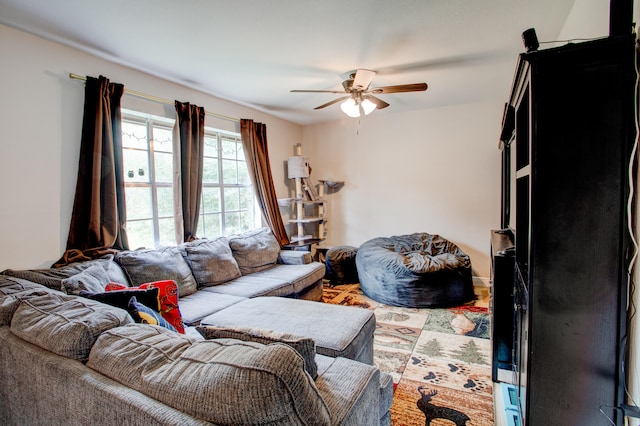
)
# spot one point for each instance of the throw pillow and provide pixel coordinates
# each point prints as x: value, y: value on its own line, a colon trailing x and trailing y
x: 305, y: 346
x: 147, y: 265
x: 12, y: 291
x: 63, y: 324
x: 211, y: 261
x: 92, y: 279
x: 167, y: 296
x: 120, y: 298
x: 52, y: 277
x: 255, y: 250
x: 144, y: 315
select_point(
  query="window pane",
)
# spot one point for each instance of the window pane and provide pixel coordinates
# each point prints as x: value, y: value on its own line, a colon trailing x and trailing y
x: 246, y: 221
x: 134, y: 135
x: 164, y: 167
x: 256, y: 215
x: 229, y: 149
x: 210, y: 146
x: 246, y: 198
x: 231, y: 199
x: 210, y: 170
x: 138, y: 203
x: 210, y: 226
x: 136, y: 165
x: 232, y: 224
x: 165, y: 201
x: 140, y: 233
x: 229, y: 172
x: 240, y: 151
x: 167, y: 231
x: 162, y: 139
x: 243, y: 174
x: 210, y: 200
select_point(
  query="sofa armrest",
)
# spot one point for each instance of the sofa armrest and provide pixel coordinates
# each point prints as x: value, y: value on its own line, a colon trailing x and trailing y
x: 222, y: 381
x: 294, y: 257
x: 305, y: 346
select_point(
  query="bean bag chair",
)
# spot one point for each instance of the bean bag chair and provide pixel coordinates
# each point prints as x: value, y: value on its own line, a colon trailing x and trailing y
x: 417, y: 271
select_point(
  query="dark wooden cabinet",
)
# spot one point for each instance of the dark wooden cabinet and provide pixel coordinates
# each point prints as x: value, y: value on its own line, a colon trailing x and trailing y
x: 568, y: 136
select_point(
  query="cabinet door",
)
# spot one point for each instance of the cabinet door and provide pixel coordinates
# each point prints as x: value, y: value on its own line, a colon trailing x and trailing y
x: 581, y: 116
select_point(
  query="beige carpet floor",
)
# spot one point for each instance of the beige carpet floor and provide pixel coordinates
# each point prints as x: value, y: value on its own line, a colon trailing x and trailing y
x: 440, y: 359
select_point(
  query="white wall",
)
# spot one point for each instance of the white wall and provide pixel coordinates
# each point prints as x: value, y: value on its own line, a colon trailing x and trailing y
x: 40, y: 125
x: 435, y: 171
x: 587, y: 19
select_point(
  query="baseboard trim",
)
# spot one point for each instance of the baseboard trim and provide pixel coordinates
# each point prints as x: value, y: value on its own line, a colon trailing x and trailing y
x: 481, y: 281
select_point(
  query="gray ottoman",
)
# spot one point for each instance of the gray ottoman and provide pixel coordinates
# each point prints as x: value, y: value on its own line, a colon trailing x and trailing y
x: 338, y: 331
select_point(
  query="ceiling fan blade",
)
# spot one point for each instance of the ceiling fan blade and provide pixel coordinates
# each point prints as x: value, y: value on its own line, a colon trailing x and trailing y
x: 379, y: 102
x: 363, y: 78
x: 416, y: 87
x: 317, y: 91
x: 335, y: 101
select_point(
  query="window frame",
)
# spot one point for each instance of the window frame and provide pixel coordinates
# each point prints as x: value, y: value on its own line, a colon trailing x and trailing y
x: 150, y: 121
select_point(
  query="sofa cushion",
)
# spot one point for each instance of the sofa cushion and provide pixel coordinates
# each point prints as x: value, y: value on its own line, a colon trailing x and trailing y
x: 65, y: 325
x: 203, y: 303
x: 305, y: 346
x: 92, y: 279
x: 148, y: 265
x: 12, y: 291
x: 254, y: 285
x: 294, y: 257
x: 145, y: 315
x: 223, y: 381
x: 52, y: 277
x: 255, y: 250
x: 300, y: 277
x: 211, y: 261
x: 167, y: 298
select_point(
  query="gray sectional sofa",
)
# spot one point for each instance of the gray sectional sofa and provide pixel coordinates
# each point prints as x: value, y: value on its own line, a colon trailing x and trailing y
x: 66, y: 357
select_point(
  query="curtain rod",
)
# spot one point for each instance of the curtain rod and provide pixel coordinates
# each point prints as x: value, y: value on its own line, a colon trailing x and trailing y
x: 157, y: 99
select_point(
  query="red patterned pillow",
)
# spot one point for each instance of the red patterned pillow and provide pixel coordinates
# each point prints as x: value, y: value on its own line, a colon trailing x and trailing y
x: 168, y: 297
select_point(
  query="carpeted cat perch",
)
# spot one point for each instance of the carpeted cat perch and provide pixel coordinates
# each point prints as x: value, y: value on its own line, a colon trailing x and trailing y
x: 416, y: 271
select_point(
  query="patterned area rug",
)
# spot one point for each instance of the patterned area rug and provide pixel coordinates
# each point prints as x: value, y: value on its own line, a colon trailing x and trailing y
x: 440, y: 359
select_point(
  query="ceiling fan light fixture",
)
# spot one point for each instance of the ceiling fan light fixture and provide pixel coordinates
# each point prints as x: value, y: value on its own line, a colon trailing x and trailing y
x: 358, y: 99
x: 350, y: 107
x: 356, y: 107
x: 367, y: 106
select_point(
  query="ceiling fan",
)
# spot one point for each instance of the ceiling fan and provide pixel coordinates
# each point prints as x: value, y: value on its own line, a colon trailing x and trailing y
x: 359, y: 98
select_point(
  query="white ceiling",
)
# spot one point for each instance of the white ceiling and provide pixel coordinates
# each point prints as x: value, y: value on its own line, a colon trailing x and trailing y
x: 255, y: 51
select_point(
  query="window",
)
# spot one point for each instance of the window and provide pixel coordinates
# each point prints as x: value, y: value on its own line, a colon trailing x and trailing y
x: 228, y: 204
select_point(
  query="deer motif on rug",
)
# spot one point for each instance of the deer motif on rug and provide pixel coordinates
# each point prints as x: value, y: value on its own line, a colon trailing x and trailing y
x: 432, y: 412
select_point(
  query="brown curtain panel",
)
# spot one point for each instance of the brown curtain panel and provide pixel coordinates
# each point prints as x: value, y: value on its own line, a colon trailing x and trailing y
x: 254, y: 140
x: 190, y: 130
x: 99, y: 209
